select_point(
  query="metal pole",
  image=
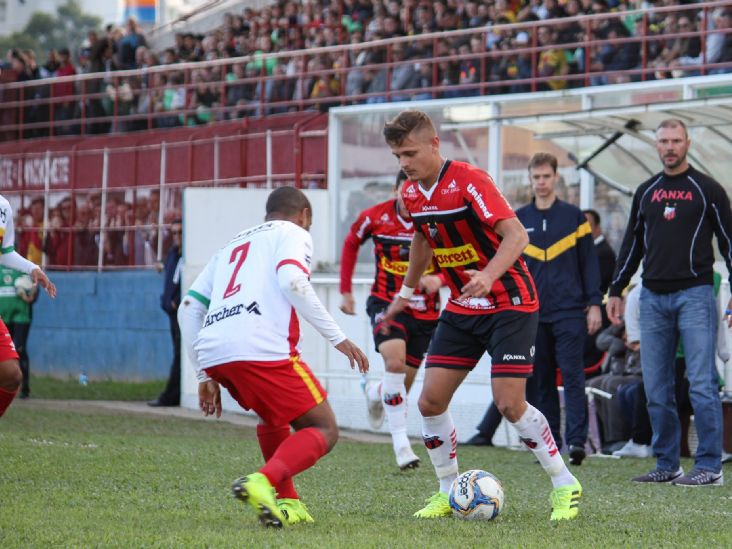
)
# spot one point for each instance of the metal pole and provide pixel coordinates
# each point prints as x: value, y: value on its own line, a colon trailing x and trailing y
x: 495, y: 146
x: 163, y: 161
x: 103, y: 213
x: 269, y: 158
x: 216, y: 160
x: 46, y: 193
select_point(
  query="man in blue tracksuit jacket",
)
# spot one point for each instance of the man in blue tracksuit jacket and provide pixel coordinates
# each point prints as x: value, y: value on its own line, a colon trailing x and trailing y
x: 562, y: 259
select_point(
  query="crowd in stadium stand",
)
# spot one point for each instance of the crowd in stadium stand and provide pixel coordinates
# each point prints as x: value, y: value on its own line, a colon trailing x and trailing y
x: 71, y: 237
x: 290, y: 26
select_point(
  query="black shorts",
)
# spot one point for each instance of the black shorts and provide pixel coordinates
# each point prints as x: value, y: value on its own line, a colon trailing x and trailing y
x: 416, y: 333
x: 508, y: 336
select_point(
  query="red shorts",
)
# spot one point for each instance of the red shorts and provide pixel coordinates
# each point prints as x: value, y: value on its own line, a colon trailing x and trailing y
x: 279, y: 392
x: 7, y: 348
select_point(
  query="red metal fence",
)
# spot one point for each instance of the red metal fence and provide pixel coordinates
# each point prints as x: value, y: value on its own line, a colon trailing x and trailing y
x: 108, y: 202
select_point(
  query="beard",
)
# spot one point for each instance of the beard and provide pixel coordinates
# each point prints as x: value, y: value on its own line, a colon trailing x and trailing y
x: 673, y: 162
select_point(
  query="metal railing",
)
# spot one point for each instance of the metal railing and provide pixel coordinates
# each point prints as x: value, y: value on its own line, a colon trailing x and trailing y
x: 201, y: 93
x: 104, y: 220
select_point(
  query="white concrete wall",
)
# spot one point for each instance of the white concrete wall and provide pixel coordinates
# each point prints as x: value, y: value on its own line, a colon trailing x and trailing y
x: 213, y: 216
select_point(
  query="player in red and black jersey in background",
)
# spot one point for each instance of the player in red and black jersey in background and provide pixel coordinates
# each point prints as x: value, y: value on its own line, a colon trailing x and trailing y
x: 464, y: 223
x: 389, y: 226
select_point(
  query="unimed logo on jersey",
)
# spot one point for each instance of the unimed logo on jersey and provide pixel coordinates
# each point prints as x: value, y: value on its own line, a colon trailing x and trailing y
x: 479, y: 200
x: 456, y: 257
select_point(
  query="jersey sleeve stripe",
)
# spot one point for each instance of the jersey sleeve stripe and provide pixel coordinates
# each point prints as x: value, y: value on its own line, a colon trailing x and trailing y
x: 295, y: 263
x: 198, y: 297
x: 7, y: 250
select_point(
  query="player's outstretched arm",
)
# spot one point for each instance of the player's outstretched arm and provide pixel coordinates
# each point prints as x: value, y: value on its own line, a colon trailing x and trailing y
x: 355, y: 355
x: 40, y: 278
x: 16, y: 261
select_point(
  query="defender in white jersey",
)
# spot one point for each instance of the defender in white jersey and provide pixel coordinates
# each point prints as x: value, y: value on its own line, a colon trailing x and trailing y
x: 10, y: 374
x: 239, y: 324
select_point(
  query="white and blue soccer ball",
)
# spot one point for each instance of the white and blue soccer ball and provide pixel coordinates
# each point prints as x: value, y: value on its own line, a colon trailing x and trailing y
x: 476, y: 495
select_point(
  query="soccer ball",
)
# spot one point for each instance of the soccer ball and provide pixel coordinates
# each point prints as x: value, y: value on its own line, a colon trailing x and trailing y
x: 476, y: 495
x: 24, y: 285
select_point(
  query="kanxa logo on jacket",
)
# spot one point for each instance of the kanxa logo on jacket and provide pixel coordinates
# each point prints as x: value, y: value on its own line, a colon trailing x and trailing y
x: 659, y: 195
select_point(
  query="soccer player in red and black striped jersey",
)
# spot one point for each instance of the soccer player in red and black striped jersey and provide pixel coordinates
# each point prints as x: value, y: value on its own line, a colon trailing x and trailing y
x: 390, y: 228
x: 467, y: 226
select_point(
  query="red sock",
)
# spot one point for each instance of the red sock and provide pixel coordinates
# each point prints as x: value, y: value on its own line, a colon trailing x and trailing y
x: 299, y: 452
x: 6, y: 397
x: 270, y: 438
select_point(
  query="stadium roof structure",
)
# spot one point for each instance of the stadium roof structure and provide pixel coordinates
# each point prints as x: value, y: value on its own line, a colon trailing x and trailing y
x: 610, y: 130
x: 606, y: 129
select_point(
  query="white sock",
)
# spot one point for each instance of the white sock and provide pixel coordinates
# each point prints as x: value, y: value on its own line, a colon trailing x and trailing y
x: 440, y: 439
x: 534, y: 431
x: 394, y: 396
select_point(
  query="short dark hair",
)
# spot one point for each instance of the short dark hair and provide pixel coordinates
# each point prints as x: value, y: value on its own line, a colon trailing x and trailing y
x: 594, y: 215
x: 287, y: 201
x: 398, y: 128
x: 673, y: 123
x: 543, y: 159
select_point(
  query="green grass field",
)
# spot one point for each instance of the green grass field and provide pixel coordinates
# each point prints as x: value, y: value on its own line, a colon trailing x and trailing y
x: 82, y: 479
x: 54, y: 388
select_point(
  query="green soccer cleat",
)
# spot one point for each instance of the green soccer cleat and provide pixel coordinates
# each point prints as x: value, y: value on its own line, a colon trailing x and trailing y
x: 438, y: 505
x: 565, y: 501
x: 256, y: 490
x: 294, y: 510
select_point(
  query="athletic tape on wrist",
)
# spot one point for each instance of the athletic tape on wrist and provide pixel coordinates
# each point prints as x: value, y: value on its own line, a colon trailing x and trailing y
x: 406, y: 292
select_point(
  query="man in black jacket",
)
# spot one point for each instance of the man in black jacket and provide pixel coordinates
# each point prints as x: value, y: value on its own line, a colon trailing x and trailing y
x: 673, y: 219
x: 169, y: 301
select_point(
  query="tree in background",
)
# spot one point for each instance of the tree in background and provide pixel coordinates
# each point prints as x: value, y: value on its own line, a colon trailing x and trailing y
x: 44, y: 31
